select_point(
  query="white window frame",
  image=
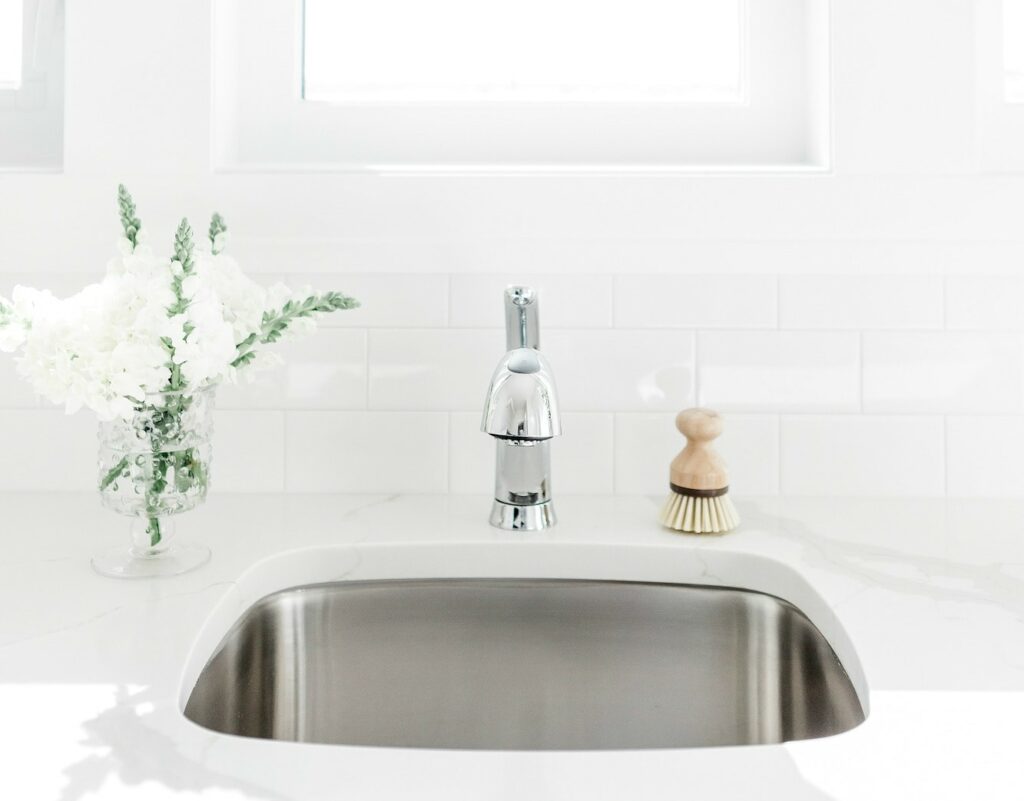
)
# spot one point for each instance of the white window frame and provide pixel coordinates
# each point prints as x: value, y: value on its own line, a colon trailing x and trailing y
x: 261, y: 122
x: 999, y: 130
x: 32, y: 114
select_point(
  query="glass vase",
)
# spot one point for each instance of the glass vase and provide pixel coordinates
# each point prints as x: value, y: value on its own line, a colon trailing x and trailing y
x: 152, y: 465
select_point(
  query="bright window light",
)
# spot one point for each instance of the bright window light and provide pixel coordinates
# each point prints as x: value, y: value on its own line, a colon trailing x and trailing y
x: 1013, y: 50
x: 10, y: 43
x: 404, y: 51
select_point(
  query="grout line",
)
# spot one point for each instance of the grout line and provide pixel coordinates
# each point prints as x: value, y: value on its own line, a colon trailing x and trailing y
x: 745, y: 411
x: 711, y: 329
x: 778, y: 302
x: 944, y: 292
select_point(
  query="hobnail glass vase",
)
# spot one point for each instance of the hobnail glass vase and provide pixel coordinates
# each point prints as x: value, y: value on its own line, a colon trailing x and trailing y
x: 153, y: 465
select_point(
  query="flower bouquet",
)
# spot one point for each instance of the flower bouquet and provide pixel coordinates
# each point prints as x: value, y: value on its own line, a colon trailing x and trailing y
x: 145, y: 349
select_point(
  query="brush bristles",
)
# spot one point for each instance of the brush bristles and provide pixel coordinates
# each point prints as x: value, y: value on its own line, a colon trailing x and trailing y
x: 699, y: 515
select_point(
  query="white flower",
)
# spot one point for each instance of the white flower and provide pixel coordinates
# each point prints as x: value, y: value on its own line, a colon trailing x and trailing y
x: 243, y: 300
x: 262, y: 360
x: 13, y: 328
x: 300, y: 327
x: 116, y: 342
x: 210, y: 347
x: 277, y: 295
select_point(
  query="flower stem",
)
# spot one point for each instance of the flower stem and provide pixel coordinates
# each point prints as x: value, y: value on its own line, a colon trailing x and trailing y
x: 113, y: 473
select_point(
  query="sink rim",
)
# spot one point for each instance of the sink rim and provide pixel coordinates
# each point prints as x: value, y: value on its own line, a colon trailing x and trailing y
x: 530, y: 560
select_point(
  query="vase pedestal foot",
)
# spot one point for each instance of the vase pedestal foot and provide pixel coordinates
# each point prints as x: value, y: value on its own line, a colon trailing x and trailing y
x: 175, y: 559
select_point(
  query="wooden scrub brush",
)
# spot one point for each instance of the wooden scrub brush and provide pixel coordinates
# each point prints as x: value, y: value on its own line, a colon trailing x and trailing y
x: 699, y: 501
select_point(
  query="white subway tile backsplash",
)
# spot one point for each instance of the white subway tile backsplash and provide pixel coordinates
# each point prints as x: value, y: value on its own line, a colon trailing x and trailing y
x: 862, y: 455
x: 248, y: 451
x: 388, y: 398
x: 943, y: 372
x: 581, y: 459
x: 986, y: 456
x: 566, y: 301
x: 618, y: 370
x: 436, y: 370
x: 779, y: 370
x: 264, y: 389
x: 985, y: 303
x: 45, y: 449
x: 15, y: 392
x: 470, y: 455
x: 695, y: 301
x: 831, y: 302
x: 325, y: 371
x: 645, y: 445
x: 373, y: 452
x: 387, y: 300
x: 750, y: 447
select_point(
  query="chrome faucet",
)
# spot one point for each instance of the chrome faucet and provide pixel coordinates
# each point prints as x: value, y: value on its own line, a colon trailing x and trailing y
x: 521, y: 413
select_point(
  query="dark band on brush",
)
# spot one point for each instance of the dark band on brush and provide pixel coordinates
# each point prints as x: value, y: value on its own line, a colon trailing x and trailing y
x: 695, y: 493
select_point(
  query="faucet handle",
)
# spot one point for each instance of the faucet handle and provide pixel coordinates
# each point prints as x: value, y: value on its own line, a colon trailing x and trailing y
x: 522, y: 325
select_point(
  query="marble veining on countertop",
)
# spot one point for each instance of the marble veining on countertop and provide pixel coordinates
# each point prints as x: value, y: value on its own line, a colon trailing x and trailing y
x: 92, y: 670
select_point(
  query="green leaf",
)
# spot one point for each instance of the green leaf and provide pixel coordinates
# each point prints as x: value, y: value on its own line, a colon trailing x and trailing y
x: 275, y: 324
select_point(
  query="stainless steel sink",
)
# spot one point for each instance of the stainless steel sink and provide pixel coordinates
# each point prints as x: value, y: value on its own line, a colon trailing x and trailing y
x: 524, y: 664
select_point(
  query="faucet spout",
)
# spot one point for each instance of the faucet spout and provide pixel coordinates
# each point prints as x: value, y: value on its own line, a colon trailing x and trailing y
x: 522, y: 328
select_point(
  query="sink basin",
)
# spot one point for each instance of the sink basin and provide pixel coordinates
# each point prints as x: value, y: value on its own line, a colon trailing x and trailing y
x: 524, y: 664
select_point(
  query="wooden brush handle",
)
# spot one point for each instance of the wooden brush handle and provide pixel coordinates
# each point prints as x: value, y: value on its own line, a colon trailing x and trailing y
x: 698, y: 466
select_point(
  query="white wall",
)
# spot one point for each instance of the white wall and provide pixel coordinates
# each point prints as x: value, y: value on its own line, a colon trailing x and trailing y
x: 852, y: 323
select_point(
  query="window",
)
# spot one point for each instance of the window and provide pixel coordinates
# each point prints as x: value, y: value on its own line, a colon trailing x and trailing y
x: 527, y: 51
x: 1013, y: 50
x: 414, y: 85
x: 999, y: 90
x: 10, y: 44
x: 31, y: 84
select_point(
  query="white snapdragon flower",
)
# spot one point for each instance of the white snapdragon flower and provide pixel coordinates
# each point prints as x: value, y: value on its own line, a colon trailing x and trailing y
x: 262, y: 360
x: 277, y: 295
x: 243, y: 300
x: 220, y: 241
x: 210, y: 347
x: 300, y: 327
x: 132, y: 258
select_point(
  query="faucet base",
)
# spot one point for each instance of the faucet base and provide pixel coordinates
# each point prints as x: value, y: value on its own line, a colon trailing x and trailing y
x: 511, y: 517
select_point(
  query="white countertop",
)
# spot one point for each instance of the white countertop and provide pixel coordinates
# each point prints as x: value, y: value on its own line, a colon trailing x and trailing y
x: 94, y: 671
